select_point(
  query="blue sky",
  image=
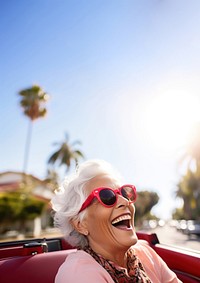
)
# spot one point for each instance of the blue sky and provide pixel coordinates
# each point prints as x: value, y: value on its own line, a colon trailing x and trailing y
x: 123, y: 78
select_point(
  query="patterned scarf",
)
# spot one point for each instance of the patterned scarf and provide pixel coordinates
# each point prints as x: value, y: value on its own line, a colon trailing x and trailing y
x: 135, y: 269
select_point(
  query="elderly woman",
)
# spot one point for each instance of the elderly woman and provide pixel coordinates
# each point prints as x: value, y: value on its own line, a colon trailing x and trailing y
x: 95, y: 212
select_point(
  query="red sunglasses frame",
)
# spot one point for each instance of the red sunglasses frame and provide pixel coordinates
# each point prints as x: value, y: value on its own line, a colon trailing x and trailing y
x: 95, y: 194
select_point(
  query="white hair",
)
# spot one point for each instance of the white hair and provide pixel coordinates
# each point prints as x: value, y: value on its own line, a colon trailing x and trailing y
x: 68, y: 200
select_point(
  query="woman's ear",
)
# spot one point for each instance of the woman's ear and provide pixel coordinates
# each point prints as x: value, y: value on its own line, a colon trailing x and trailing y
x: 80, y: 226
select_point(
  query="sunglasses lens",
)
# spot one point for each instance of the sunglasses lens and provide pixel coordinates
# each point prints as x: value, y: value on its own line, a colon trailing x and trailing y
x: 128, y: 193
x: 107, y: 196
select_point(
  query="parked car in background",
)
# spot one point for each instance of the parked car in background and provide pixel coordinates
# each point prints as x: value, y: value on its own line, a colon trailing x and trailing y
x: 193, y: 228
x: 188, y: 227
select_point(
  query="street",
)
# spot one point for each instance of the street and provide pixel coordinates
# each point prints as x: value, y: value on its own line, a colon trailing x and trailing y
x: 169, y: 235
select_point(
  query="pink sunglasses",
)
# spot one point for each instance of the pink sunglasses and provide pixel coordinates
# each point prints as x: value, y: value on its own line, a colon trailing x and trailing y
x: 108, y: 197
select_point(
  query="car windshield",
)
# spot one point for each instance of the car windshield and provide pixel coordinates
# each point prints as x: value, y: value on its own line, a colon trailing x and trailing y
x: 114, y: 80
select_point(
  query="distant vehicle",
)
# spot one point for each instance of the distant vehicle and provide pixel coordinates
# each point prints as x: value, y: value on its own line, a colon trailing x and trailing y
x: 181, y: 225
x: 193, y: 228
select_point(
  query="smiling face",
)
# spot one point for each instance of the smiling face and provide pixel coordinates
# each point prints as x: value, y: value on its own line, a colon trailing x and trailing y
x: 110, y: 230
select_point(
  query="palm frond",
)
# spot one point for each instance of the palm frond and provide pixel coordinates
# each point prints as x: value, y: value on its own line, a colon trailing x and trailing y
x: 79, y: 153
x: 54, y: 157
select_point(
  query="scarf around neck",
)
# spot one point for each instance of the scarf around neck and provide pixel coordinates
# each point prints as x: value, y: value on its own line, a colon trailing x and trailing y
x: 135, y: 270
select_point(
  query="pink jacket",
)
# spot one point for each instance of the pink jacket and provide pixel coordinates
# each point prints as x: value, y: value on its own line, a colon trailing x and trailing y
x: 80, y: 267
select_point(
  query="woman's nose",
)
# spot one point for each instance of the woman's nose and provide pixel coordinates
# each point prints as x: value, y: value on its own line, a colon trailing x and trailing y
x: 121, y: 201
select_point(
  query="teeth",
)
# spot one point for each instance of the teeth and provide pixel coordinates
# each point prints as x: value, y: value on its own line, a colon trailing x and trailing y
x: 121, y: 218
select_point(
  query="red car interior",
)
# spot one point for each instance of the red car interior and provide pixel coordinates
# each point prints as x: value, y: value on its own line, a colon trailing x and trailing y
x: 29, y: 262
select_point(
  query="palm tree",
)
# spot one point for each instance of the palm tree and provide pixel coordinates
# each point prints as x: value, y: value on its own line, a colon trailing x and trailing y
x: 32, y: 102
x: 188, y: 188
x: 192, y: 150
x: 66, y: 153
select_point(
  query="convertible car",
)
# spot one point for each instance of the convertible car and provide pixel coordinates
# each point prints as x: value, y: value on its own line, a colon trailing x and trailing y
x: 32, y: 261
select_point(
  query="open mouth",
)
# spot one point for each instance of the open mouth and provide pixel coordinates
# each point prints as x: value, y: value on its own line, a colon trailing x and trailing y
x: 123, y: 222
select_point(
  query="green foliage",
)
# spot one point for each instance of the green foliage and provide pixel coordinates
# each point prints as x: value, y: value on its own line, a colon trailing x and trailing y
x: 188, y: 188
x: 189, y: 191
x: 146, y: 200
x: 9, y: 208
x: 32, y: 101
x: 31, y: 209
x: 178, y: 214
x: 16, y: 206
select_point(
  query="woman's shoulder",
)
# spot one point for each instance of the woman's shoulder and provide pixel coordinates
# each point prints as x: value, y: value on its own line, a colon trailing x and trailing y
x: 156, y: 268
x: 144, y: 251
x: 80, y: 257
x: 79, y: 266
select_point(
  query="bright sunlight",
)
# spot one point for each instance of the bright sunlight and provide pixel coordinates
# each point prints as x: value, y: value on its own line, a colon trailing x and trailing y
x: 169, y: 119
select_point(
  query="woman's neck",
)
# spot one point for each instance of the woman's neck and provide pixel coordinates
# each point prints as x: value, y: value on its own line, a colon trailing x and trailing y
x: 119, y: 257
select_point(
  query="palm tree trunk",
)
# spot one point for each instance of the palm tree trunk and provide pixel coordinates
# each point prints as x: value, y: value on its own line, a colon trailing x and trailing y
x: 27, y: 147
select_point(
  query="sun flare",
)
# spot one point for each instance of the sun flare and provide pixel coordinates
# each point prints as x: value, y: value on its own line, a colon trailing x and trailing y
x: 169, y: 118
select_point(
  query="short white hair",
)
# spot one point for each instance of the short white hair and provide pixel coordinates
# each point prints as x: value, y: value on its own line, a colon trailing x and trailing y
x: 68, y: 200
